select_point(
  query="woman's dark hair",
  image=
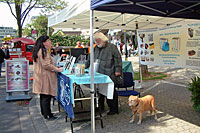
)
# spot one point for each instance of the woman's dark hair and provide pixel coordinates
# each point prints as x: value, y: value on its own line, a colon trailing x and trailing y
x: 39, y: 45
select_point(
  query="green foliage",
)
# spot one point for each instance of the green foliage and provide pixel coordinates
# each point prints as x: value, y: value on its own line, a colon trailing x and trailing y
x: 67, y: 40
x: 194, y: 87
x: 27, y: 31
x: 52, y: 5
x: 40, y: 25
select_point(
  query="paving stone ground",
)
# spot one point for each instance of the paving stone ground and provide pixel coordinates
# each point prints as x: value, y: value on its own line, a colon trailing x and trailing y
x: 175, y: 112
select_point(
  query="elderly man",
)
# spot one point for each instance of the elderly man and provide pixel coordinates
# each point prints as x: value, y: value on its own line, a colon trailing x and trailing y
x: 110, y: 63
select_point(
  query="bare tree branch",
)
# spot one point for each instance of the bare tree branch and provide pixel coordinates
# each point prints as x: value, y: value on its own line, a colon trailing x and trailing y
x: 27, y: 8
x: 11, y: 9
x: 23, y: 20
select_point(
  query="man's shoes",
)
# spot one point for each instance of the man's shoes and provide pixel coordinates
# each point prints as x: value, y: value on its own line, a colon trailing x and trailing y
x: 111, y: 113
x: 51, y: 118
x: 51, y: 115
x: 98, y: 109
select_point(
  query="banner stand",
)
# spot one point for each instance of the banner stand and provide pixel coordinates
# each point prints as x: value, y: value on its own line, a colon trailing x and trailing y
x: 10, y: 97
x: 17, y: 79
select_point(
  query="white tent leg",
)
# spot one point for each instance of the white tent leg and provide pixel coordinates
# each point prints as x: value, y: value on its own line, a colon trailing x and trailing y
x: 92, y: 73
x: 126, y: 51
x: 140, y: 69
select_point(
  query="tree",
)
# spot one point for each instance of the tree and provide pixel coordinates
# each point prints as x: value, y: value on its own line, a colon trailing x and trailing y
x: 27, y: 31
x: 23, y: 7
x: 40, y: 25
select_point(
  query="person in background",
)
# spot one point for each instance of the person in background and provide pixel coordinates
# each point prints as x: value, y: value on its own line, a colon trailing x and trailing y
x: 94, y: 45
x: 6, y: 51
x: 78, y: 45
x: 121, y: 48
x: 87, y: 45
x: 110, y: 63
x: 83, y: 44
x: 58, y: 49
x: 2, y: 57
x: 45, y: 79
x: 52, y: 51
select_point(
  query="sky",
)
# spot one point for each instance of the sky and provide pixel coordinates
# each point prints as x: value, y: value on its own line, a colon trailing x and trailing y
x: 8, y: 20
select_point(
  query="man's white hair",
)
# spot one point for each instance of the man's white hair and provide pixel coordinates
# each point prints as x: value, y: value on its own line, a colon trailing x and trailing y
x: 101, y: 36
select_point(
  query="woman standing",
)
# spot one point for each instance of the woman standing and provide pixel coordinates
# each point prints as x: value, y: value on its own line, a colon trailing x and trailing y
x: 45, y: 79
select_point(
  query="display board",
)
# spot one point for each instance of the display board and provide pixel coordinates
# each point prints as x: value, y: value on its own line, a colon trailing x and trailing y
x: 175, y: 46
x: 17, y: 75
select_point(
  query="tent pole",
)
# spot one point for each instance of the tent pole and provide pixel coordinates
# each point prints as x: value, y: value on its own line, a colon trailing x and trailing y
x: 92, y: 72
x: 47, y: 31
x: 140, y: 69
x: 126, y: 54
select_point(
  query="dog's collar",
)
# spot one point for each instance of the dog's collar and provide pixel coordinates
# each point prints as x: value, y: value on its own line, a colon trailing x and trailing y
x: 137, y: 104
x: 136, y: 108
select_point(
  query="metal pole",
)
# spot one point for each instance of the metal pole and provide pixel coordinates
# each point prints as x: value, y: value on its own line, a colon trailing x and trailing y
x: 92, y: 73
x: 140, y: 69
x: 47, y: 31
x: 126, y: 58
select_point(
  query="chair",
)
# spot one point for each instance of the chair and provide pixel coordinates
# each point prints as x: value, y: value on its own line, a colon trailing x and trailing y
x: 128, y: 82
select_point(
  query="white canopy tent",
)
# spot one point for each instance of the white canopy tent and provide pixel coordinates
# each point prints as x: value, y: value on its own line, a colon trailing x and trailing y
x: 77, y: 15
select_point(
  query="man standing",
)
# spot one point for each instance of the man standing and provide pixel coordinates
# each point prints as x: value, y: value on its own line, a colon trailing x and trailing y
x: 110, y: 63
x: 2, y: 56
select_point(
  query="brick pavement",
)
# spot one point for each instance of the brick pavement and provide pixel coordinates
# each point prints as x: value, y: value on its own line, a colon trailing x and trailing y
x: 175, y: 113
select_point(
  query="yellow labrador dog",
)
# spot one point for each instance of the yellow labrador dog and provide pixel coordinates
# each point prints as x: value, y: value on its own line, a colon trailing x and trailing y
x: 139, y: 105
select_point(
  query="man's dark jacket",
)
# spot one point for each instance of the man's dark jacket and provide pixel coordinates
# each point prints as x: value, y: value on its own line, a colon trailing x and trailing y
x: 110, y: 60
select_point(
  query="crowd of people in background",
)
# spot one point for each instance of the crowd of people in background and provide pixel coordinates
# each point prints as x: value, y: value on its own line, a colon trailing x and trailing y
x: 121, y: 47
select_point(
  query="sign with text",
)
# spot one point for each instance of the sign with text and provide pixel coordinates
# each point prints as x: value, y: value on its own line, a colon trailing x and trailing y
x: 64, y: 94
x: 17, y: 75
x: 175, y: 46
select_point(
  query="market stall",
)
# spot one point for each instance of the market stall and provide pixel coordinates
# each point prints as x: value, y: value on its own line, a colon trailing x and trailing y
x: 173, y: 8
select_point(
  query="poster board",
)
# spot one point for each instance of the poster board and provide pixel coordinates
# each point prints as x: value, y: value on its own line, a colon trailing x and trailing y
x: 173, y: 46
x: 17, y: 75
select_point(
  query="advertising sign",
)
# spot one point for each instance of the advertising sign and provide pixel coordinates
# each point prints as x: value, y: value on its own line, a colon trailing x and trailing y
x: 64, y: 94
x: 192, y: 45
x: 17, y: 75
x: 175, y: 46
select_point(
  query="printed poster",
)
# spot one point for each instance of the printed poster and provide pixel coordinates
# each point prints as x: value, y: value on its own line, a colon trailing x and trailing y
x: 17, y: 75
x: 192, y: 59
x: 175, y: 46
x: 64, y: 94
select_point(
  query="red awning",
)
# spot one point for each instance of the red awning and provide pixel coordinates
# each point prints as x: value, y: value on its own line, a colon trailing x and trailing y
x: 23, y: 40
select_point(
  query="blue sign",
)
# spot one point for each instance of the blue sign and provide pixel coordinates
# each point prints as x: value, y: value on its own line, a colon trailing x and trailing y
x: 64, y: 94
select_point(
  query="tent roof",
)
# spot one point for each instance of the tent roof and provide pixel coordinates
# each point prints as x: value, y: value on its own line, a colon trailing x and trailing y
x: 189, y: 9
x: 23, y: 40
x: 77, y: 15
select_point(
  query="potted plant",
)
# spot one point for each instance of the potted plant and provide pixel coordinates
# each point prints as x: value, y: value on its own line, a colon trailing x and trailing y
x: 194, y: 87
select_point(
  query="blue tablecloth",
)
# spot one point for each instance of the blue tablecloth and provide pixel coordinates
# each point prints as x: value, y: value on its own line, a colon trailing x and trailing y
x: 103, y: 82
x: 64, y: 94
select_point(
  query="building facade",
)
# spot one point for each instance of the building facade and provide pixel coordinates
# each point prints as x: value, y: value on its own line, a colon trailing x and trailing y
x: 7, y: 31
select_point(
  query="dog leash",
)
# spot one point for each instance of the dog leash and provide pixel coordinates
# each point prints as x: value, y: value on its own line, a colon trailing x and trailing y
x: 135, y: 110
